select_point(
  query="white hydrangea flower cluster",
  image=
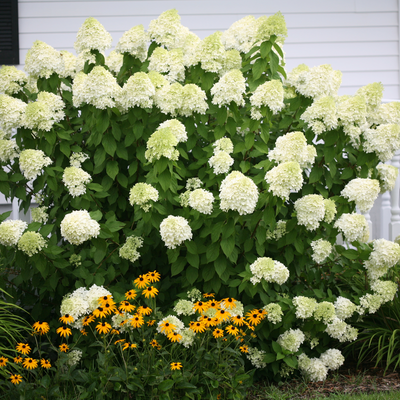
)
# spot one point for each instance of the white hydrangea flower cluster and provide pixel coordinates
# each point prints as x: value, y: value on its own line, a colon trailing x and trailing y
x: 167, y: 30
x: 321, y: 250
x: 316, y: 369
x: 76, y: 179
x: 98, y: 88
x: 184, y: 307
x: 8, y: 150
x: 353, y: 226
x: 92, y: 36
x: 372, y: 93
x: 370, y: 302
x: 194, y: 295
x: 193, y: 183
x: 272, y: 25
x: 11, y: 112
x: 39, y: 214
x: 317, y: 81
x: 73, y: 357
x: 114, y: 61
x: 385, y: 255
x: 384, y: 140
x: 305, y: 306
x: 193, y: 100
x: 138, y: 91
x: 177, y: 129
x: 42, y: 60
x: 69, y: 67
x: 11, y: 79
x: 83, y: 57
x: 274, y: 312
x: 169, y: 63
x: 187, y: 337
x: 386, y: 289
x: 341, y: 331
x: 174, y: 231
x: 221, y: 161
x: 11, y: 231
x: 310, y: 211
x: 43, y: 113
x: 279, y: 231
x: 293, y: 147
x: 32, y: 162
x: 388, y: 113
x: 201, y: 200
x: 211, y: 53
x: 236, y: 310
x: 129, y: 249
x: 78, y: 227
x: 134, y: 42
x: 256, y: 357
x: 291, y: 340
x: 321, y: 115
x: 284, y: 178
x: 241, y: 35
x: 325, y: 312
x: 141, y: 194
x: 387, y: 175
x: 268, y: 269
x: 31, y: 243
x: 230, y: 87
x: 363, y: 192
x: 344, y: 308
x: 119, y: 322
x: 76, y: 159
x: 268, y: 94
x: 238, y: 193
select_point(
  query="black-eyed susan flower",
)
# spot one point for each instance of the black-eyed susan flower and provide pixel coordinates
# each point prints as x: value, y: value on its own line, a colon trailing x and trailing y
x: 23, y: 348
x: 244, y: 348
x: 63, y: 347
x: 208, y: 321
x: 151, y: 322
x: 16, y: 379
x: 136, y: 321
x: 167, y: 327
x: 115, y: 332
x: 218, y: 333
x: 64, y: 331
x: 66, y: 319
x: 142, y: 281
x: 109, y: 307
x: 130, y: 294
x: 229, y: 303
x: 108, y: 298
x: 154, y: 343
x: 3, y: 361
x: 223, y: 315
x: 238, y: 320
x: 41, y: 327
x: 30, y: 363
x: 206, y: 295
x: 174, y: 337
x: 232, y: 330
x: 100, y: 312
x: 125, y: 306
x: 150, y: 291
x: 213, y: 304
x: 18, y: 360
x: 153, y: 276
x: 103, y: 327
x: 176, y: 366
x: 200, y: 307
x: 253, y: 317
x: 45, y: 363
x: 83, y: 332
x: 88, y: 319
x: 119, y: 341
x: 198, y: 327
x: 144, y: 310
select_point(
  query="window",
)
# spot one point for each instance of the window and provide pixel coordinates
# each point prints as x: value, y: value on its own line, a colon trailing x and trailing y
x: 9, y: 44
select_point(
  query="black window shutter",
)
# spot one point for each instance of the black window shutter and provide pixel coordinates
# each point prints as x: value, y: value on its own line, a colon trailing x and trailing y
x: 9, y: 44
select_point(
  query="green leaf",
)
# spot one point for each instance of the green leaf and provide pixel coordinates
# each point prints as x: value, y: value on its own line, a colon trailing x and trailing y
x: 351, y: 254
x: 274, y: 63
x: 178, y: 266
x: 193, y: 259
x: 192, y: 274
x: 265, y: 48
x: 212, y: 252
x: 269, y: 358
x: 259, y: 67
x: 109, y: 144
x: 227, y: 245
x: 102, y: 121
x: 112, y: 169
x: 96, y: 215
x: 291, y: 361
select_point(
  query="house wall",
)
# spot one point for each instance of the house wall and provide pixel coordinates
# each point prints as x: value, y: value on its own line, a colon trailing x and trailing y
x: 358, y: 37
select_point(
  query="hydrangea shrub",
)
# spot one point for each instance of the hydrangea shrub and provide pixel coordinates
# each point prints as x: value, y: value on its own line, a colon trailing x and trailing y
x: 206, y: 160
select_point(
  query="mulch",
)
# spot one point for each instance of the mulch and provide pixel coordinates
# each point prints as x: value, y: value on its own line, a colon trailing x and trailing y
x: 348, y: 380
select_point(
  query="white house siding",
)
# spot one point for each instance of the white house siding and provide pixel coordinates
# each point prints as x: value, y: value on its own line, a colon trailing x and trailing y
x: 358, y: 37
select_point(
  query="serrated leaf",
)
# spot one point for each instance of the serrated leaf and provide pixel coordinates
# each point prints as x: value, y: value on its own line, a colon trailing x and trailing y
x: 112, y: 169
x: 227, y: 245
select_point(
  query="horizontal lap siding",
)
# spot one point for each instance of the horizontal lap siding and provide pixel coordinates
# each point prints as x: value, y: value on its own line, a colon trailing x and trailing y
x: 359, y: 37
